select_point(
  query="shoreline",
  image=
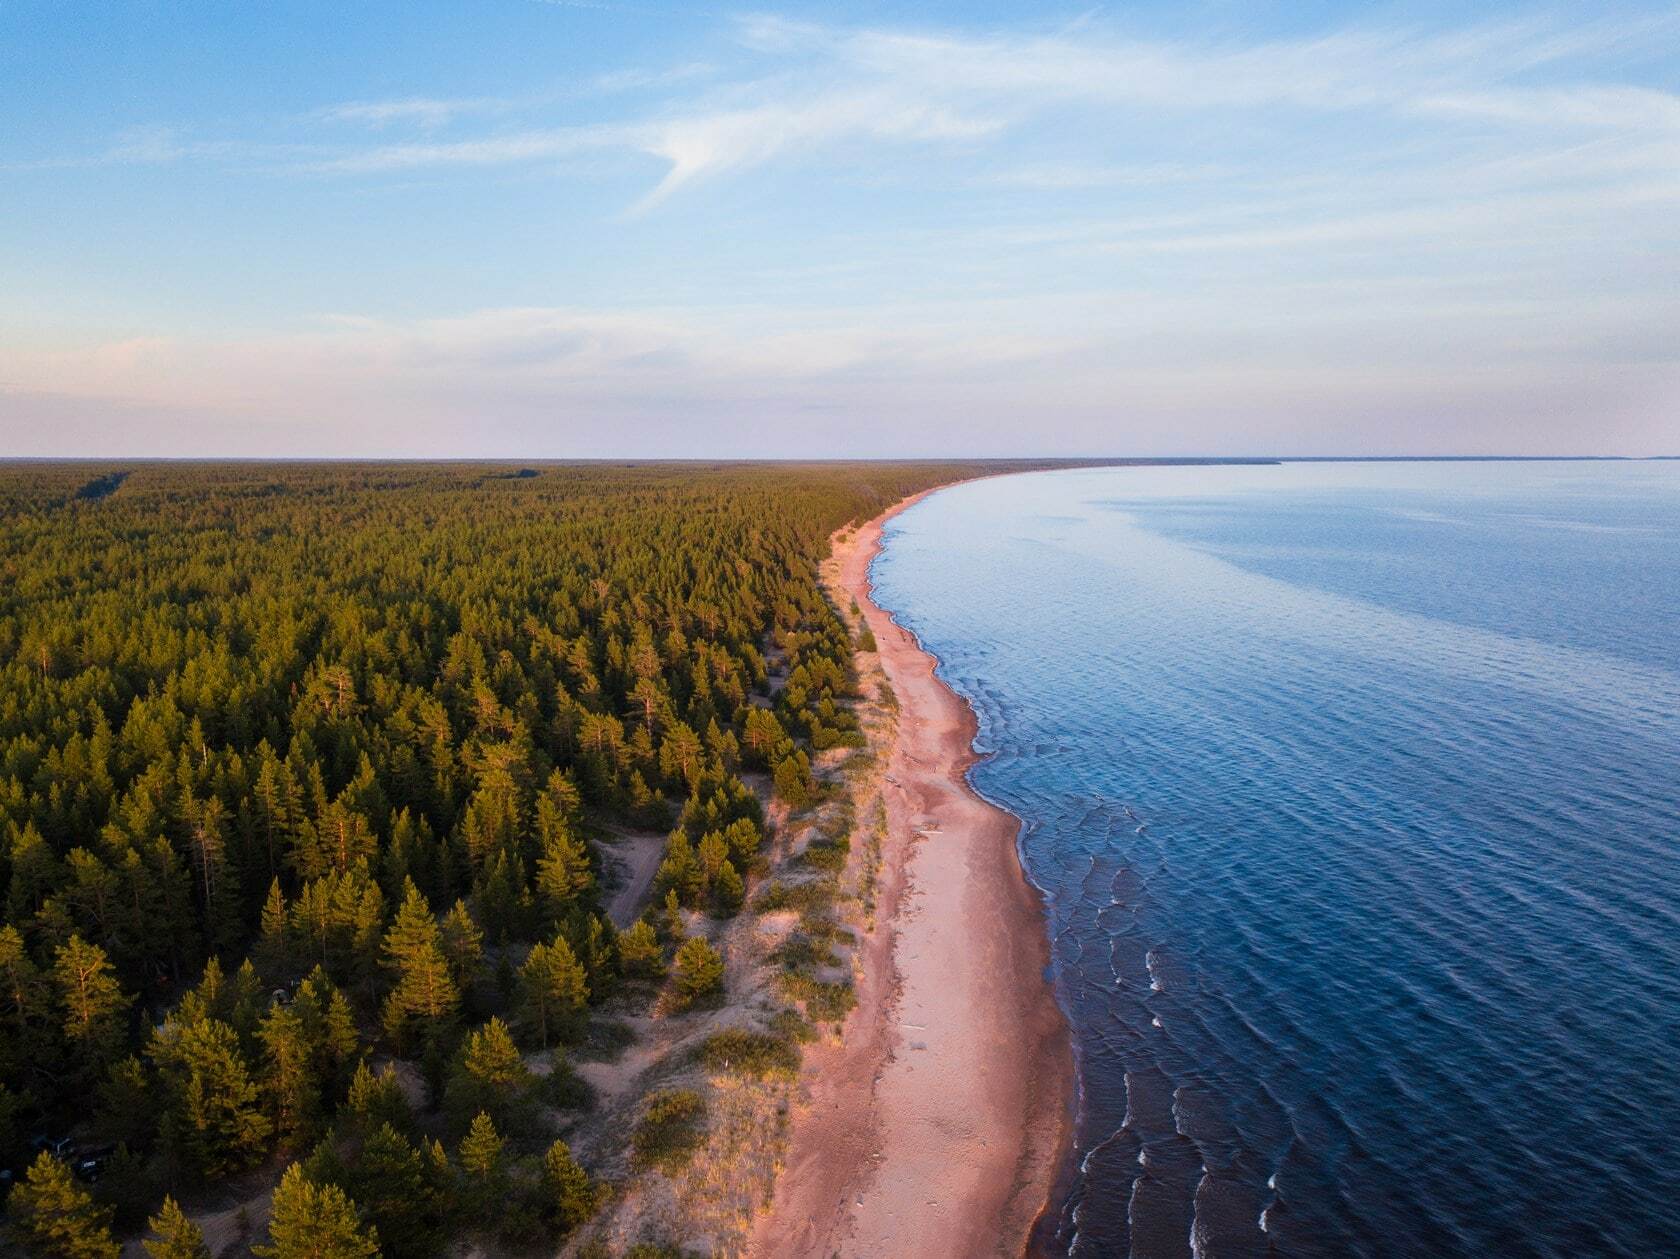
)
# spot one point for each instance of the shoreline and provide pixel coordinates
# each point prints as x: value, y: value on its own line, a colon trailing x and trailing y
x: 941, y: 1122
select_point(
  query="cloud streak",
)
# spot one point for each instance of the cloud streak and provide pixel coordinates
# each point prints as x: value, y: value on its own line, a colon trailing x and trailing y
x: 896, y: 88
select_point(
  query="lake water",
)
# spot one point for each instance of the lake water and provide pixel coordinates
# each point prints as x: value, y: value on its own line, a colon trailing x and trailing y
x: 1354, y: 793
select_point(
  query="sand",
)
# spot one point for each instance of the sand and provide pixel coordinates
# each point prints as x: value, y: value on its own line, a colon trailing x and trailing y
x: 938, y: 1125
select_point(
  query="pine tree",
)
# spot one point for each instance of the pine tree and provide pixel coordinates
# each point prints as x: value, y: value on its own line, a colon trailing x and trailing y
x: 424, y: 990
x: 554, y: 988
x: 673, y: 923
x: 489, y: 1075
x: 51, y: 1216
x: 483, y: 1175
x: 571, y: 1195
x: 793, y: 782
x: 481, y: 1149
x: 681, y: 755
x: 639, y: 952
x: 309, y: 1221
x: 389, y: 1180
x: 463, y: 945
x: 24, y: 1002
x: 291, y: 1080
x: 563, y: 872
x: 680, y: 871
x: 92, y: 1001
x: 378, y: 1100
x: 274, y: 945
x: 213, y: 1121
x: 177, y: 1236
x: 728, y: 892
x: 698, y: 971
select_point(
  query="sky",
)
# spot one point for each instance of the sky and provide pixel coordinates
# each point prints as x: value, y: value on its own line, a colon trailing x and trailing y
x: 539, y: 229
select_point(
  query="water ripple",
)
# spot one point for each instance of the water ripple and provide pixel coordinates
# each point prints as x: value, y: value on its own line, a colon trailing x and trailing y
x: 1351, y: 792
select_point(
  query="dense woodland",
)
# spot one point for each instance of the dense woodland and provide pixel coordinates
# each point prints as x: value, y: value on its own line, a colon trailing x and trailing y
x: 299, y: 771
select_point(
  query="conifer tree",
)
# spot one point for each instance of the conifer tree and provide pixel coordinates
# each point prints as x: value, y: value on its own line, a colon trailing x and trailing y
x: 463, y: 945
x: 291, y: 1080
x: 24, y: 1003
x: 728, y: 891
x: 309, y: 1221
x: 792, y: 779
x: 483, y: 1175
x: 639, y: 952
x: 274, y: 946
x: 563, y: 872
x: 554, y: 988
x: 698, y: 970
x: 680, y: 872
x: 389, y: 1180
x: 673, y: 923
x: 489, y: 1074
x: 571, y: 1195
x: 378, y: 1100
x: 424, y: 992
x: 92, y: 1002
x: 214, y: 1122
x: 51, y: 1216
x: 177, y: 1237
x: 481, y: 1149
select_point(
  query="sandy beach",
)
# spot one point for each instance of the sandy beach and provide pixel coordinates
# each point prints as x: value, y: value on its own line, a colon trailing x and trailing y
x: 937, y: 1126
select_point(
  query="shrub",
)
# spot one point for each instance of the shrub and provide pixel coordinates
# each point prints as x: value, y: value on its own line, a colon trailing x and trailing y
x: 790, y: 1026
x: 670, y: 1130
x: 825, y: 855
x: 743, y: 1052
x: 824, y: 1002
x: 564, y: 1089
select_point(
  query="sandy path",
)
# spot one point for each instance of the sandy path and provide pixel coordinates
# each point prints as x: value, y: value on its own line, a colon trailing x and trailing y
x: 938, y: 1126
x: 639, y: 856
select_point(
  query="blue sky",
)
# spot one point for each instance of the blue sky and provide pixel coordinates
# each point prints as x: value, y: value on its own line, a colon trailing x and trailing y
x: 519, y: 228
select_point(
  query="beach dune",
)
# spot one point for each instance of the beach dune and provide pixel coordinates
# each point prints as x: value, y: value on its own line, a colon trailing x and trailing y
x: 938, y: 1125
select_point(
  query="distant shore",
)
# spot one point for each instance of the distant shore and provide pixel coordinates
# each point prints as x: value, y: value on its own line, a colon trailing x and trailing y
x: 940, y: 1123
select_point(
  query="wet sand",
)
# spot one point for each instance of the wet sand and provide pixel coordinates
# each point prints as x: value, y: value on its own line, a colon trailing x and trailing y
x: 939, y: 1124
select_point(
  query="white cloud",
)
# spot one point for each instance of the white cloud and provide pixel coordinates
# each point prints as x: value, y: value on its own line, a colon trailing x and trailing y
x: 418, y: 110
x: 812, y: 89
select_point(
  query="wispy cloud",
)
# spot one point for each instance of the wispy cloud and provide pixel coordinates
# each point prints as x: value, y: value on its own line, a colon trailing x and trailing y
x: 417, y: 110
x: 814, y: 88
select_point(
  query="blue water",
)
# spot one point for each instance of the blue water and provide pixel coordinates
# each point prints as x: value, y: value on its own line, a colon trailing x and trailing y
x: 1354, y: 792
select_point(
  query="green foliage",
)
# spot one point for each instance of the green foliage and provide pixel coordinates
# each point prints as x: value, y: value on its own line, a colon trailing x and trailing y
x: 824, y: 1001
x: 670, y: 1130
x: 92, y: 1002
x: 377, y: 1100
x: 425, y: 992
x: 554, y: 990
x: 213, y: 1124
x: 52, y: 1216
x: 175, y: 1236
x: 793, y: 782
x: 742, y: 1052
x: 570, y: 1195
x: 639, y: 951
x: 310, y: 1221
x: 404, y: 1191
x: 483, y: 1170
x: 292, y: 713
x: 697, y: 971
x: 490, y: 1075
